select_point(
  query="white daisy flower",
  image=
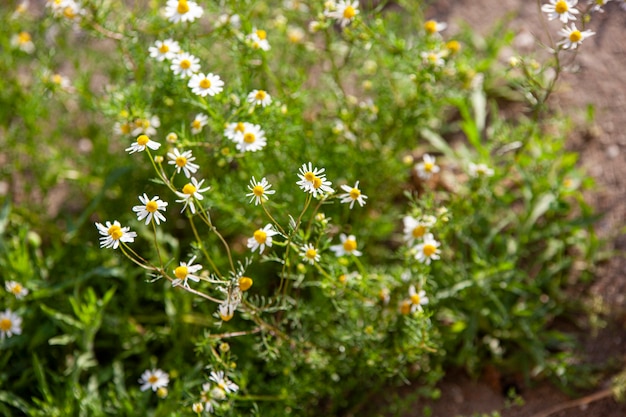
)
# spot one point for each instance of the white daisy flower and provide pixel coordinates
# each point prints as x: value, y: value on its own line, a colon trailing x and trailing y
x: 431, y: 26
x: 185, y: 271
x: 313, y: 180
x: 146, y: 126
x: 309, y: 253
x: 347, y: 247
x: 154, y: 379
x: 433, y: 58
x: 479, y: 170
x: 17, y: 289
x: 344, y: 12
x: 190, y: 192
x: 226, y: 310
x: 60, y: 80
x: 573, y: 37
x: 223, y: 382
x: 185, y: 64
x: 418, y: 299
x: 415, y: 228
x: 141, y: 143
x: 163, y: 50
x: 258, y: 40
x: 203, y: 85
x: 149, y: 209
x: 564, y: 10
x: 427, y: 167
x: 10, y: 324
x: 259, y: 190
x: 122, y: 128
x: 183, y: 161
x: 234, y: 131
x: 427, y: 250
x: 352, y: 195
x: 259, y: 98
x: 598, y: 5
x: 114, y: 234
x: 262, y: 238
x: 182, y: 11
x: 23, y: 41
x: 199, y: 122
x: 252, y: 140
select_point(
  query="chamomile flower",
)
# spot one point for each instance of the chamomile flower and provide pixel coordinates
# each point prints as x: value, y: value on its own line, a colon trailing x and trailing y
x: 146, y: 126
x: 252, y: 140
x: 352, y: 195
x: 60, y: 81
x: 223, y: 382
x: 17, y: 289
x: 258, y: 40
x: 10, y: 324
x: 313, y: 180
x: 573, y: 37
x: 598, y: 5
x: 190, y: 192
x: 185, y: 64
x: 259, y: 98
x: 262, y: 238
x: 347, y: 246
x: 427, y: 250
x: 149, y: 209
x: 344, y: 12
x: 431, y: 26
x: 427, y: 167
x: 418, y: 299
x: 197, y: 408
x: 226, y: 310
x: 182, y: 11
x: 564, y: 10
x: 199, y: 122
x: 163, y: 50
x: 479, y: 170
x: 143, y: 142
x: 23, y: 41
x: 185, y: 271
x: 433, y: 58
x: 183, y: 161
x: 114, y: 233
x: 153, y: 378
x: 309, y: 253
x: 122, y: 128
x: 415, y: 228
x: 234, y: 131
x: 259, y: 191
x: 203, y: 85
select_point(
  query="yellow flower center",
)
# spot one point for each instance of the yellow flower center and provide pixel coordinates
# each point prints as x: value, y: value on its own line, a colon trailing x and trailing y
x: 164, y: 49
x: 143, y: 140
x: 349, y: 245
x: 125, y: 128
x: 115, y: 232
x: 5, y: 324
x: 189, y: 189
x: 561, y: 7
x: 433, y: 58
x: 349, y: 12
x: 245, y: 283
x: 240, y: 127
x: 260, y: 95
x: 453, y: 46
x: 405, y: 307
x: 428, y: 166
x: 310, y: 253
x: 23, y: 37
x: 430, y: 26
x: 145, y: 123
x: 317, y: 182
x: 429, y: 249
x: 415, y: 299
x: 57, y: 79
x: 309, y: 176
x: 226, y: 317
x: 258, y: 190
x: 152, y: 206
x: 249, y: 137
x: 153, y: 379
x: 181, y: 272
x: 418, y: 231
x: 355, y: 193
x: 342, y: 278
x: 183, y: 7
x: 196, y: 124
x: 261, y: 34
x: 69, y: 12
x: 185, y: 64
x: 17, y: 288
x: 260, y: 236
x: 139, y: 122
x: 205, y: 83
x: 575, y: 36
x: 181, y: 161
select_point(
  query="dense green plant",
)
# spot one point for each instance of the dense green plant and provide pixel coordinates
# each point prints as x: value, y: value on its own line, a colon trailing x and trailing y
x: 413, y: 226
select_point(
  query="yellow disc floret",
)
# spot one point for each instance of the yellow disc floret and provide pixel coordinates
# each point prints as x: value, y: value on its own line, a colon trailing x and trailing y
x: 561, y: 7
x: 6, y: 324
x: 189, y: 189
x: 575, y: 36
x: 349, y: 12
x: 183, y: 7
x: 429, y: 249
x: 430, y: 26
x: 205, y: 83
x: 261, y: 34
x: 115, y: 232
x: 310, y: 253
x: 260, y: 236
x: 245, y: 283
x: 185, y: 64
x: 143, y: 140
x: 249, y: 137
x: 258, y: 190
x: 349, y: 245
x: 181, y: 161
x: 152, y: 206
x: 181, y: 272
x: 260, y: 95
x: 418, y: 231
x: 355, y: 193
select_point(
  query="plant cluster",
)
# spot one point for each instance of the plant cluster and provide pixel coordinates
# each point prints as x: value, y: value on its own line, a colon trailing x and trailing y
x: 317, y: 200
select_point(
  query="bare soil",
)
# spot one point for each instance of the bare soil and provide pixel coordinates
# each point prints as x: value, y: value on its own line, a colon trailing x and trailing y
x: 598, y: 79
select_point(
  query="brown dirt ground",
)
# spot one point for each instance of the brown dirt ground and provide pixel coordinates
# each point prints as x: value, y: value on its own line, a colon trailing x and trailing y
x: 599, y: 79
